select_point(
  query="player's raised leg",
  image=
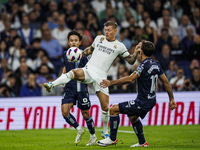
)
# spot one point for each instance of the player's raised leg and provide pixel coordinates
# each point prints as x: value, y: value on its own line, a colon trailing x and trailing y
x: 104, y: 100
x: 70, y: 119
x: 76, y: 74
x: 90, y: 125
x: 138, y: 128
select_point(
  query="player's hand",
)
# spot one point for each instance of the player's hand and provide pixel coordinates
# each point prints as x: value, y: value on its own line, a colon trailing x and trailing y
x: 105, y: 83
x: 138, y: 48
x: 172, y: 104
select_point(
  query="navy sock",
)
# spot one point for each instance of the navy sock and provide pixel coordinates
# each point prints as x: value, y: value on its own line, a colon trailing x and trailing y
x: 71, y: 121
x: 138, y: 128
x: 114, y: 123
x: 90, y: 125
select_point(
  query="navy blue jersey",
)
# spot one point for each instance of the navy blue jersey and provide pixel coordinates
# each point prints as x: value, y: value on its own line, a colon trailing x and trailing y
x: 148, y: 72
x: 73, y: 85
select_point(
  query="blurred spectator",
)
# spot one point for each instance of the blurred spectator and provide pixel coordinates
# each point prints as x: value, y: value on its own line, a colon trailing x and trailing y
x: 187, y: 85
x: 164, y: 39
x: 121, y: 69
x: 188, y: 40
x: 72, y: 19
x: 3, y: 68
x: 194, y: 50
x: 3, y: 50
x: 131, y: 28
x: 44, y: 60
x: 165, y: 57
x: 176, y: 10
x: 156, y: 12
x: 15, y: 16
x: 98, y: 5
x: 92, y: 24
x: 2, y: 9
x: 79, y: 26
x: 31, y: 88
x: 34, y: 23
x: 38, y: 11
x: 58, y: 90
x: 53, y: 6
x: 109, y: 13
x: 196, y: 79
x: 44, y: 5
x: 166, y: 25
x: 14, y: 83
x: 14, y: 51
x: 112, y: 73
x: 53, y: 49
x: 193, y: 64
x: 176, y: 49
x: 139, y: 35
x: 68, y: 8
x: 25, y: 32
x: 38, y: 59
x: 23, y: 71
x: 123, y: 38
x: 53, y: 22
x: 10, y: 38
x: 60, y: 33
x: 195, y: 19
x: 182, y: 28
x: 173, y: 22
x: 5, y: 91
x: 121, y: 11
x: 152, y: 23
x: 85, y: 42
x: 171, y: 71
x: 177, y: 81
x: 3, y: 20
x: 28, y: 6
x: 44, y: 26
x: 43, y: 74
x: 150, y: 31
x: 5, y: 33
x: 139, y: 10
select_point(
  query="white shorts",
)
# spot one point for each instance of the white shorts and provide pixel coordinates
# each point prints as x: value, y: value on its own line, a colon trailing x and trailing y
x: 95, y: 76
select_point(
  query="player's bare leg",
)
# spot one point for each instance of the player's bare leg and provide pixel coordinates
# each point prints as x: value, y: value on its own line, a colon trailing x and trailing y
x: 77, y: 74
x: 138, y: 128
x: 104, y: 101
x: 72, y: 121
x: 90, y: 125
x: 114, y: 123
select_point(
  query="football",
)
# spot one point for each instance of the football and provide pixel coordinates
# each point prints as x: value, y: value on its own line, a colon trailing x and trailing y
x: 74, y: 54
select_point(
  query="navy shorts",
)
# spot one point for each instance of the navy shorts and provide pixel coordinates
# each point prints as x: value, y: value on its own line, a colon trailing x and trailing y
x: 81, y: 97
x: 132, y: 108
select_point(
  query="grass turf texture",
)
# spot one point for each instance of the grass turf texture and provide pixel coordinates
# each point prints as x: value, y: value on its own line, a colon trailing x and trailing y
x: 184, y: 137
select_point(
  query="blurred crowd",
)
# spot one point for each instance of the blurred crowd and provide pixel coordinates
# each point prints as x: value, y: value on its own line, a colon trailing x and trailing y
x: 33, y: 36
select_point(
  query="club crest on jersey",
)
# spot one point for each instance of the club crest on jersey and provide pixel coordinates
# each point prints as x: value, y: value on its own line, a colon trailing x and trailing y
x: 115, y: 46
x: 101, y: 39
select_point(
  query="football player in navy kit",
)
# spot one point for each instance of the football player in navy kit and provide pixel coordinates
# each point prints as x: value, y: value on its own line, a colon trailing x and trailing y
x: 146, y: 74
x: 76, y: 91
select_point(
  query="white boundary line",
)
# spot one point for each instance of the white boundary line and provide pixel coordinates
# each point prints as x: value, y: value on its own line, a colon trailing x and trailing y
x: 122, y: 131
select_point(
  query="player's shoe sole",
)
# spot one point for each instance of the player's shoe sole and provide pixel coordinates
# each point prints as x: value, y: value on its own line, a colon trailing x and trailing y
x: 140, y: 145
x: 107, y: 142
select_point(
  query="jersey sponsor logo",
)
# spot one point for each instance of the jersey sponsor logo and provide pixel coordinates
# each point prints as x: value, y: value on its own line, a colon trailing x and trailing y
x: 115, y: 46
x: 105, y: 49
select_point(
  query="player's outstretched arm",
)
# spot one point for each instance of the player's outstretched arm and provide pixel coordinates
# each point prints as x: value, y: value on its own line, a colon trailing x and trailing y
x: 87, y: 51
x: 132, y: 58
x: 168, y: 88
x: 105, y: 83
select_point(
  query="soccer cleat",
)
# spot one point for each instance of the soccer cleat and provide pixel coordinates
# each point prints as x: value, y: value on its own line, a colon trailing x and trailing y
x: 48, y: 86
x: 140, y: 145
x: 92, y: 140
x: 79, y: 135
x: 103, y: 135
x: 106, y: 142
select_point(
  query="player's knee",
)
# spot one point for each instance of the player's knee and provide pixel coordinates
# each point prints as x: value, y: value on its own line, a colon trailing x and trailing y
x: 105, y: 108
x: 65, y: 113
x: 85, y: 114
x: 113, y: 109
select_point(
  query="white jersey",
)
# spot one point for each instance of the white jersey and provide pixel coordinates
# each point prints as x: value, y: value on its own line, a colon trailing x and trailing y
x: 105, y: 53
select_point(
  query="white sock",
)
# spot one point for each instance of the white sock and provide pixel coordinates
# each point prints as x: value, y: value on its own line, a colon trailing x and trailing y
x: 92, y: 135
x: 105, y: 118
x: 78, y: 128
x: 64, y: 78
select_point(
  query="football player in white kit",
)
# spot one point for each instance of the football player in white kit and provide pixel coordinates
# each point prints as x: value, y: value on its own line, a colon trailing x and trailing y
x: 104, y: 50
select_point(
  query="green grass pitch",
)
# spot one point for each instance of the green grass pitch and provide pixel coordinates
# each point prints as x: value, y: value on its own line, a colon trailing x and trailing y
x: 186, y: 137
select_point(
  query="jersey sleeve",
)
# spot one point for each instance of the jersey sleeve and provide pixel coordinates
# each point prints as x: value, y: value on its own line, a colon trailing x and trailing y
x: 93, y: 44
x: 139, y: 70
x: 160, y: 72
x: 124, y: 51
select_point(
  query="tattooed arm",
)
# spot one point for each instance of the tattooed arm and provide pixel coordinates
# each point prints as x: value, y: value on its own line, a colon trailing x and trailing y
x: 87, y: 51
x: 132, y: 58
